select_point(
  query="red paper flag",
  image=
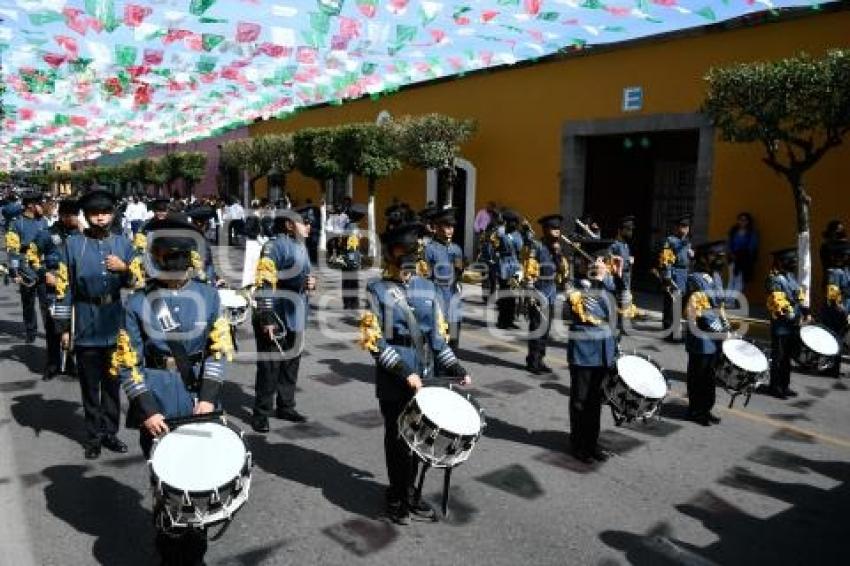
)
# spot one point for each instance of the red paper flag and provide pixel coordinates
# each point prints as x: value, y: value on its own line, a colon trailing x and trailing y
x: 247, y: 32
x: 134, y: 15
x: 153, y: 57
x: 54, y: 59
x: 80, y: 121
x: 69, y: 44
x: 532, y: 7
x: 26, y: 114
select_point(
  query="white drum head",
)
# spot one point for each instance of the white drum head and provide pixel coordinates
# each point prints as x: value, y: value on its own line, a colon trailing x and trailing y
x: 642, y: 377
x: 819, y: 339
x: 231, y: 299
x: 199, y: 457
x: 449, y: 411
x: 745, y: 356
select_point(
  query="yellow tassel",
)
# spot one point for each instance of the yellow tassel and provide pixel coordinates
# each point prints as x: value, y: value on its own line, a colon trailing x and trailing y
x: 61, y: 281
x: 577, y: 304
x: 628, y: 312
x: 422, y: 269
x: 833, y: 294
x: 667, y: 258
x: 140, y: 242
x: 495, y: 241
x: 778, y: 304
x: 391, y: 271
x: 698, y: 303
x: 442, y: 325
x: 352, y: 243
x: 221, y: 342
x: 531, y: 268
x: 563, y: 273
x: 13, y: 242
x: 125, y: 357
x: 32, y: 256
x: 370, y: 332
x: 266, y: 273
x: 197, y: 265
x: 137, y: 271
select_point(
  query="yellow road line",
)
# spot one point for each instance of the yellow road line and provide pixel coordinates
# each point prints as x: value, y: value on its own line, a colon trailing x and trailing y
x: 746, y: 415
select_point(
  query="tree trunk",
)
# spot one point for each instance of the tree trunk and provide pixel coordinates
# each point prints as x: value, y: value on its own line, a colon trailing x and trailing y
x: 804, y: 248
x: 449, y: 188
x: 370, y: 223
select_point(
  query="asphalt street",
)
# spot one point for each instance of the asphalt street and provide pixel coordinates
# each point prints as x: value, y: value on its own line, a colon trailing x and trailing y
x: 768, y: 485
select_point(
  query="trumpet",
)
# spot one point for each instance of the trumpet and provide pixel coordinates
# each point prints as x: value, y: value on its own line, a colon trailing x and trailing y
x: 590, y: 233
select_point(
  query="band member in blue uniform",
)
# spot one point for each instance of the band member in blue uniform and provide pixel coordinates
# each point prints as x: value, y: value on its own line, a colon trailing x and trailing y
x: 547, y: 269
x: 96, y: 262
x: 283, y: 279
x: 623, y: 261
x: 406, y: 333
x: 591, y: 350
x: 673, y: 265
x: 836, y: 310
x: 487, y: 245
x: 172, y: 357
x: 352, y: 261
x: 787, y: 312
x: 67, y: 225
x: 445, y: 267
x: 508, y: 246
x: 706, y: 329
x: 202, y: 260
x: 25, y: 261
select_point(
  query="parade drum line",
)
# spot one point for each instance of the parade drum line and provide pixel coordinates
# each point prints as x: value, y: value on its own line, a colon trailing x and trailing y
x: 441, y: 426
x: 636, y: 390
x: 234, y: 306
x: 201, y: 474
x: 742, y: 367
x: 818, y: 347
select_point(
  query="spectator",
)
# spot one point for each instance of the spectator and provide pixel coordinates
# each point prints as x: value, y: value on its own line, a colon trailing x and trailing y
x: 743, y: 248
x: 484, y: 217
x: 835, y: 232
x: 235, y: 215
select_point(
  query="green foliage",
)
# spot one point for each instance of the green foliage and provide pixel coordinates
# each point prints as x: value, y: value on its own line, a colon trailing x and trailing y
x: 315, y: 153
x: 367, y: 150
x: 193, y: 167
x: 259, y: 155
x: 169, y: 168
x: 433, y: 141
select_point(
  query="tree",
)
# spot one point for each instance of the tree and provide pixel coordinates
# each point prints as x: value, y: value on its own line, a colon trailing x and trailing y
x: 259, y: 156
x: 370, y: 151
x: 433, y: 141
x: 193, y: 168
x: 798, y: 109
x: 315, y: 155
x: 169, y: 168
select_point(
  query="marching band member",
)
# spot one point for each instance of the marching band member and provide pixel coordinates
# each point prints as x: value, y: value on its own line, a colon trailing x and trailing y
x: 591, y: 350
x: 674, y: 261
x: 171, y: 359
x: 785, y: 305
x: 445, y: 266
x: 25, y: 264
x: 706, y: 329
x: 96, y: 263
x: 281, y: 321
x: 547, y: 268
x: 204, y: 269
x: 508, y: 246
x: 623, y: 262
x: 406, y: 333
x: 835, y: 314
x: 352, y: 260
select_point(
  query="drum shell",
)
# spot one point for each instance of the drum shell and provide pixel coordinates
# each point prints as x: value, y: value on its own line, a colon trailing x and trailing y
x: 439, y: 448
x: 626, y: 402
x: 810, y: 359
x: 733, y: 377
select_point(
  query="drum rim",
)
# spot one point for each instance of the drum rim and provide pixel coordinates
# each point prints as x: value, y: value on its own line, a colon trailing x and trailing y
x: 651, y: 361
x: 838, y: 341
x: 753, y: 344
x: 450, y: 433
x: 442, y: 431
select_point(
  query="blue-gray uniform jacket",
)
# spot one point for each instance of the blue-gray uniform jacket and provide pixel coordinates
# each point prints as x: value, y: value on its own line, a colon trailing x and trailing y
x: 553, y: 270
x: 621, y: 249
x: 837, y: 307
x: 445, y: 265
x: 388, y: 333
x: 93, y: 290
x: 784, y: 303
x: 591, y: 340
x: 11, y: 211
x: 352, y: 259
x: 674, y: 260
x: 154, y: 385
x: 282, y: 270
x: 507, y: 251
x: 22, y: 236
x: 705, y: 300
x: 53, y: 243
x: 205, y: 273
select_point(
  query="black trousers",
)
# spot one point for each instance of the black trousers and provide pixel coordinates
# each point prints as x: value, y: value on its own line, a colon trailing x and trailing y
x: 402, y: 465
x: 101, y: 403
x: 537, y: 346
x: 53, y: 348
x: 278, y: 375
x: 781, y: 350
x: 585, y: 406
x: 506, y: 305
x: 350, y: 289
x: 235, y: 229
x: 28, y: 298
x: 701, y: 389
x: 672, y: 315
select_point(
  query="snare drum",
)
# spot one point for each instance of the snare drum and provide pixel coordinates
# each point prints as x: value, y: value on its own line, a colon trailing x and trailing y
x: 441, y: 426
x: 234, y: 306
x: 201, y: 475
x: 742, y: 367
x: 818, y: 347
x: 636, y: 390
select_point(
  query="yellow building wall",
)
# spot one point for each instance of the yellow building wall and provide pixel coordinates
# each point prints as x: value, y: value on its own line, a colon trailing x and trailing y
x: 520, y: 114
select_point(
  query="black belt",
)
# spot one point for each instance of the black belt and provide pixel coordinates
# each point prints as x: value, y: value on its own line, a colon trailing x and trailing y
x: 405, y: 341
x: 99, y: 301
x: 162, y: 361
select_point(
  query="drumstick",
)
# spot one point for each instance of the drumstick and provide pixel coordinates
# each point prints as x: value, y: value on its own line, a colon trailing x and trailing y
x: 577, y: 248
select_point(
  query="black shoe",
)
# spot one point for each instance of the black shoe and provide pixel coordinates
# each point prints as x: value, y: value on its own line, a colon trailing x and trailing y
x: 260, y: 424
x: 601, y: 455
x: 700, y: 419
x: 790, y: 392
x: 114, y: 444
x: 29, y: 339
x: 49, y: 373
x: 290, y: 415
x: 397, y: 513
x: 777, y: 392
x: 92, y: 451
x: 713, y: 419
x: 582, y: 456
x: 543, y: 368
x: 533, y: 368
x: 421, y: 511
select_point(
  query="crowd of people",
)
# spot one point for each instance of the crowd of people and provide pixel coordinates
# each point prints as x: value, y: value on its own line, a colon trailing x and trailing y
x: 118, y: 283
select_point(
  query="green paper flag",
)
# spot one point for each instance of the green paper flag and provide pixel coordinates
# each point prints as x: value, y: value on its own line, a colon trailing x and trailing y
x: 46, y: 17
x: 320, y: 22
x: 707, y: 13
x: 206, y: 64
x: 125, y: 55
x: 210, y: 41
x: 198, y: 7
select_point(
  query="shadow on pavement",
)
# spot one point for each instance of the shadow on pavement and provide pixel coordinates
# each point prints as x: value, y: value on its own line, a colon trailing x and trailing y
x: 101, y: 507
x: 558, y: 440
x: 358, y: 371
x: 30, y: 355
x: 346, y: 487
x: 236, y: 401
x: 53, y: 415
